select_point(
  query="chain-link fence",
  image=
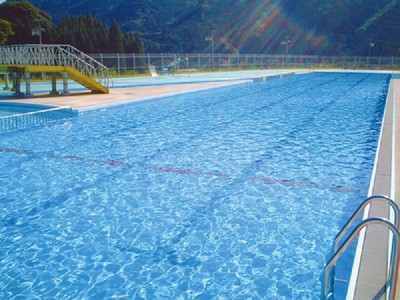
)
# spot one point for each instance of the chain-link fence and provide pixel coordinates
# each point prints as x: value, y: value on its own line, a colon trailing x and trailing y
x: 122, y: 64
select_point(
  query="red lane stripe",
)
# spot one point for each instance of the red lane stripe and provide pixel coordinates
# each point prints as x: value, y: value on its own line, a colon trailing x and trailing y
x: 304, y: 184
x: 18, y: 151
x: 189, y: 171
x: 186, y: 171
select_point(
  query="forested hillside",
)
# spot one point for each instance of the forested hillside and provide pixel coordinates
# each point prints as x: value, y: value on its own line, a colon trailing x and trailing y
x: 23, y: 23
x: 248, y: 26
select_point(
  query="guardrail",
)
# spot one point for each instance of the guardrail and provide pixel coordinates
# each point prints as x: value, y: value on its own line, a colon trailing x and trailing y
x: 54, y: 55
x: 133, y: 63
x: 34, y: 118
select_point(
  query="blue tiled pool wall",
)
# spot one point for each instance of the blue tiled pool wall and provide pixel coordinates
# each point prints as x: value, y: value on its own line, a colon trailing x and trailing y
x: 234, y: 193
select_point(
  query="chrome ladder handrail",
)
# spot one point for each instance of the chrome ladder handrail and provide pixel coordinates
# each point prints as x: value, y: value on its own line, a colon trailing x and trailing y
x: 360, y: 209
x: 393, y: 227
x: 345, y: 246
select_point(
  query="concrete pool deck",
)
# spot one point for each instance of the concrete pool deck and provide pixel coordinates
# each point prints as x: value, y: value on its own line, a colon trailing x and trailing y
x: 82, y: 101
x: 131, y: 89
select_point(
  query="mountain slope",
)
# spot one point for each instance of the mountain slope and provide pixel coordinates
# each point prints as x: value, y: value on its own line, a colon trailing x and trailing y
x: 248, y: 26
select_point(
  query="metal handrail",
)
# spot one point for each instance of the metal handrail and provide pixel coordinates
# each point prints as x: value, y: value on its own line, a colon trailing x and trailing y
x: 360, y: 209
x: 54, y: 55
x: 326, y: 294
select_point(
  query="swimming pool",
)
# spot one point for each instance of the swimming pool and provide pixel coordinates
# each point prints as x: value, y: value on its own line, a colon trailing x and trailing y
x: 231, y: 193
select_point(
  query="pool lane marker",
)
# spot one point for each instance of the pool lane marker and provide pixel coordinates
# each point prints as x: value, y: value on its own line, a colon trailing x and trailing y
x: 66, y: 157
x: 187, y: 171
x: 305, y: 184
x: 115, y: 163
x: 17, y: 151
x: 77, y: 158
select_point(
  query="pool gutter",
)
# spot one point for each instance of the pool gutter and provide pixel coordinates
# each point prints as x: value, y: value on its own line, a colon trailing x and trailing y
x: 370, y: 269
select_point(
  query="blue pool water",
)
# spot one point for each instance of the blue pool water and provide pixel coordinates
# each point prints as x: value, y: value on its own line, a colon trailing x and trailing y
x: 10, y: 109
x: 230, y: 193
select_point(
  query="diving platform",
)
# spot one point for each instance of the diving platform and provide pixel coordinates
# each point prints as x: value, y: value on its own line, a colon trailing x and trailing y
x: 23, y: 60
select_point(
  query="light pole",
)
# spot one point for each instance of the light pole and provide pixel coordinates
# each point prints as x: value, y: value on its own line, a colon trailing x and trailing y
x: 286, y: 43
x: 370, y: 45
x: 37, y: 31
x: 211, y: 39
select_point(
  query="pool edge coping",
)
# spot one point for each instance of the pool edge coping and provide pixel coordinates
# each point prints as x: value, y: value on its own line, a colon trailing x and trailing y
x: 360, y: 279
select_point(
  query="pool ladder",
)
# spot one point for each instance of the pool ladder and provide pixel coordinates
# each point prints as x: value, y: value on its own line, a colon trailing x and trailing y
x: 328, y: 280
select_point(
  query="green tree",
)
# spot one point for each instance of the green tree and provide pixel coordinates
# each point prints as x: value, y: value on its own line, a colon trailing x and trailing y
x: 133, y: 43
x: 84, y: 32
x: 115, y: 38
x: 5, y: 31
x: 24, y: 17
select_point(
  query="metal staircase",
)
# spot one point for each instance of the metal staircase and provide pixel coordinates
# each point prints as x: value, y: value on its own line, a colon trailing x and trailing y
x: 173, y: 66
x: 55, y: 59
x: 340, y: 249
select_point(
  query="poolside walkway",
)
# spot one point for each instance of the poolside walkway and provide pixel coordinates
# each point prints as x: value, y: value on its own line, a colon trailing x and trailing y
x: 86, y: 100
x: 131, y: 89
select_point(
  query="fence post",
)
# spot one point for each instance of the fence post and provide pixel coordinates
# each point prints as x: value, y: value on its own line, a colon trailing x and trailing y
x: 148, y: 60
x: 198, y: 61
x: 187, y: 65
x: 134, y: 63
x: 118, y: 66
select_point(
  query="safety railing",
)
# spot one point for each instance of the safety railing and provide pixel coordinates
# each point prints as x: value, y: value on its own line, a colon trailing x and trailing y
x: 138, y: 63
x: 360, y: 209
x: 328, y: 280
x: 54, y: 55
x: 34, y: 118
